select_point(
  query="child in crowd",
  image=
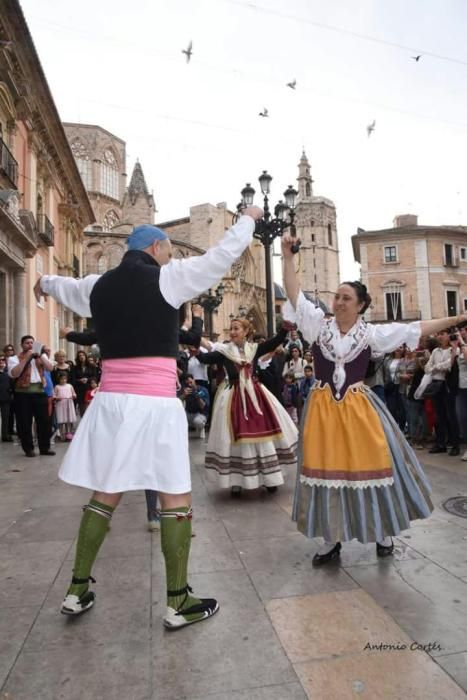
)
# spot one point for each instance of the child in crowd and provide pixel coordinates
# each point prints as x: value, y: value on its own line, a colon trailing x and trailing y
x: 65, y: 414
x: 307, y: 382
x: 290, y: 396
x: 90, y: 391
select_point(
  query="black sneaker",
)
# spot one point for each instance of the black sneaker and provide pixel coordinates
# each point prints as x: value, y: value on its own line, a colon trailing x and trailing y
x: 436, y: 450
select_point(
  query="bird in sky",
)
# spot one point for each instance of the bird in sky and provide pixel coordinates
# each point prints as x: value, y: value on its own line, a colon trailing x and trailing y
x: 293, y: 84
x: 371, y: 127
x: 264, y: 113
x: 188, y: 51
x: 417, y: 58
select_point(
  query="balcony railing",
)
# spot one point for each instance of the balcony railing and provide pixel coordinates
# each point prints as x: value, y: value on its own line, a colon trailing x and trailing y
x: 406, y: 316
x: 45, y: 229
x: 8, y: 165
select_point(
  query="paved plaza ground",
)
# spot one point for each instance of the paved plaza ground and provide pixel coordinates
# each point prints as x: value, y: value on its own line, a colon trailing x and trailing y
x: 285, y: 631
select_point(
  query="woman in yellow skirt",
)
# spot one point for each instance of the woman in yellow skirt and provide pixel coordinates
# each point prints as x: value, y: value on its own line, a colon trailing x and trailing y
x: 358, y: 478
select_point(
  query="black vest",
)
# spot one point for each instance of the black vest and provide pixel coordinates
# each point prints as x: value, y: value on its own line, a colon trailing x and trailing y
x: 130, y: 316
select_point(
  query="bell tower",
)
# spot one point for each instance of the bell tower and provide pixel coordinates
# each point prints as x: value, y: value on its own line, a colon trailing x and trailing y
x: 305, y: 181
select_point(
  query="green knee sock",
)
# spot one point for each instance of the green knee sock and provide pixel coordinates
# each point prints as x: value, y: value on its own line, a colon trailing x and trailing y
x: 93, y: 529
x: 175, y: 543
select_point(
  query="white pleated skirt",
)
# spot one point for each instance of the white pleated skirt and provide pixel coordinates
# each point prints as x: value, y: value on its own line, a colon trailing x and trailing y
x: 127, y: 442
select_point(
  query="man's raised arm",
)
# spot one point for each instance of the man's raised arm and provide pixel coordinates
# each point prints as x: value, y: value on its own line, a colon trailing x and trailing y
x: 181, y: 280
x: 74, y: 294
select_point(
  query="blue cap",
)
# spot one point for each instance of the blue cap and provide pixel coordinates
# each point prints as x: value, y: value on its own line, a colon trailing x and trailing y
x: 143, y: 236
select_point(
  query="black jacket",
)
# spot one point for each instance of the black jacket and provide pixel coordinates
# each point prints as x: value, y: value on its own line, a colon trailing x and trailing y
x: 6, y: 387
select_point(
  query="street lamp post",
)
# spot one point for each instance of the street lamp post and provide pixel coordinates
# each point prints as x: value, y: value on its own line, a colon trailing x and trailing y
x: 270, y: 227
x: 210, y: 301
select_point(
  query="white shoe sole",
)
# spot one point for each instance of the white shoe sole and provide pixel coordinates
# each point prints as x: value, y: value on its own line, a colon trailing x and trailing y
x: 173, y: 621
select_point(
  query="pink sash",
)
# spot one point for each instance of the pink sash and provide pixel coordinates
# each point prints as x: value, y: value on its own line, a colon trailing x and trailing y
x: 148, y: 376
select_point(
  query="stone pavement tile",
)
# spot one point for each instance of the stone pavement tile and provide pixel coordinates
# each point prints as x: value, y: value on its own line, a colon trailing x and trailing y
x: 121, y: 613
x: 15, y: 624
x: 5, y: 523
x: 235, y: 650
x: 288, y: 691
x: 94, y: 672
x: 427, y: 601
x: 357, y: 554
x: 27, y: 570
x: 281, y: 567
x: 331, y: 624
x: 445, y: 545
x: 456, y: 666
x: 55, y: 523
x: 389, y: 675
x: 261, y: 519
x: 61, y: 493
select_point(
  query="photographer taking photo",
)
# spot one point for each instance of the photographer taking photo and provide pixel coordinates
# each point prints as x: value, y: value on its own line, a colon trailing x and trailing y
x: 196, y: 400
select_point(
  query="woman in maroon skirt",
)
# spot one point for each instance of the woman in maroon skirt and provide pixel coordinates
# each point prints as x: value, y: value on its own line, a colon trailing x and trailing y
x: 251, y: 435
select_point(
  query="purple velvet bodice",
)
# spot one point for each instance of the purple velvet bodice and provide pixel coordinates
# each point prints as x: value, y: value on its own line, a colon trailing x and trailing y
x: 355, y: 370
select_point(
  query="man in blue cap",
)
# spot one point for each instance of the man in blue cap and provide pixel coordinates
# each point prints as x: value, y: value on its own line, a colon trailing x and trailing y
x: 134, y: 435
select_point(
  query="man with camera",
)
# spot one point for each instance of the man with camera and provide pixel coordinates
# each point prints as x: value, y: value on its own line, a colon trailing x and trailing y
x: 196, y: 400
x: 30, y: 400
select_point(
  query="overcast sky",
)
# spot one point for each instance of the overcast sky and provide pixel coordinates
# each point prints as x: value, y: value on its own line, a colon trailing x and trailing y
x: 196, y: 129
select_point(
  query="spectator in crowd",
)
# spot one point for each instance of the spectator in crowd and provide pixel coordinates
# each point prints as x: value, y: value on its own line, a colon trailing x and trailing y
x: 9, y: 351
x: 61, y: 367
x: 65, y: 414
x: 6, y: 398
x: 81, y: 377
x: 269, y: 368
x: 294, y: 364
x: 307, y: 382
x: 27, y: 369
x: 290, y: 396
x: 375, y: 375
x: 308, y: 357
x: 416, y: 415
x: 94, y: 369
x: 405, y: 372
x: 462, y: 390
x: 49, y: 390
x: 196, y: 400
x: 294, y: 341
x: 91, y: 391
x: 440, y: 364
x: 198, y: 371
x: 391, y: 386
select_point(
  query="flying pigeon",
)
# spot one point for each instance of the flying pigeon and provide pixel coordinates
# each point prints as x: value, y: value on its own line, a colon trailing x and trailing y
x: 371, y: 127
x: 292, y: 85
x: 417, y: 58
x: 264, y: 113
x: 188, y: 51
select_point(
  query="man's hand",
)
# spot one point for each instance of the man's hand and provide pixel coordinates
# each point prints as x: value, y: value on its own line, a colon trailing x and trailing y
x: 253, y: 211
x: 287, y: 241
x: 63, y: 332
x: 38, y: 293
x: 197, y: 311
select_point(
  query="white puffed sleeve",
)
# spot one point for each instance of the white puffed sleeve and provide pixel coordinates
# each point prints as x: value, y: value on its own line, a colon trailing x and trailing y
x: 308, y: 318
x: 387, y: 337
x: 72, y: 293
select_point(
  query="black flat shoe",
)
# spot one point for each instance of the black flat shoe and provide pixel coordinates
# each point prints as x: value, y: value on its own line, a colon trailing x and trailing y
x: 437, y: 450
x: 236, y: 491
x: 49, y: 452
x: 382, y: 551
x: 271, y: 489
x: 30, y: 453
x: 320, y: 559
x: 454, y: 452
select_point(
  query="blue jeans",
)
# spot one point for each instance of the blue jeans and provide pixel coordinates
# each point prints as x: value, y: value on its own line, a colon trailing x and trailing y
x: 378, y: 389
x: 151, y: 503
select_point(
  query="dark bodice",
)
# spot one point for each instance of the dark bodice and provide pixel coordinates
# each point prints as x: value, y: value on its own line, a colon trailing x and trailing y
x: 232, y: 368
x: 355, y: 370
